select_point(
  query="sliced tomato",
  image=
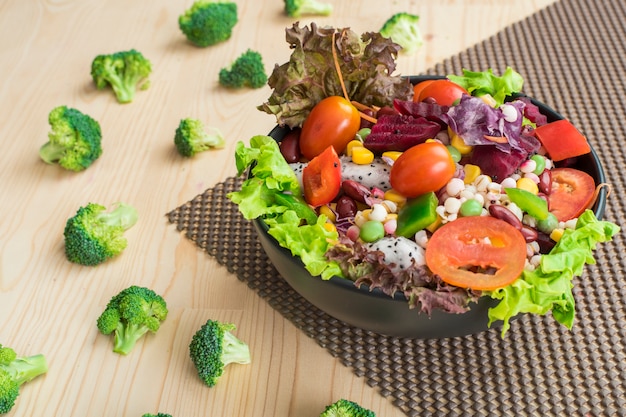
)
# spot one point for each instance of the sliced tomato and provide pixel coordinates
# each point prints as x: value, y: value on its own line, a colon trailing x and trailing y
x: 571, y: 193
x: 417, y: 89
x: 444, y: 92
x: 480, y: 253
x: 321, y: 178
x: 562, y: 140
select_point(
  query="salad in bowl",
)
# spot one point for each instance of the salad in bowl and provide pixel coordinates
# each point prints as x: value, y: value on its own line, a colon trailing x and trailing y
x: 419, y: 206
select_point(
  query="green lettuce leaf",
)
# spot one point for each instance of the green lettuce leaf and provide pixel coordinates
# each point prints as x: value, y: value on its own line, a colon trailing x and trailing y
x: 366, y: 64
x: 549, y: 286
x: 486, y: 82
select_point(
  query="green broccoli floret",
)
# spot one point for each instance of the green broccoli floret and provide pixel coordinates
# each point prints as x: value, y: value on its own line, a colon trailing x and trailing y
x: 16, y: 371
x: 131, y: 314
x: 297, y: 8
x: 208, y: 22
x: 213, y: 347
x: 157, y: 415
x: 246, y: 71
x: 75, y: 139
x: 402, y: 28
x: 192, y: 137
x: 94, y: 235
x: 124, y: 71
x: 346, y: 408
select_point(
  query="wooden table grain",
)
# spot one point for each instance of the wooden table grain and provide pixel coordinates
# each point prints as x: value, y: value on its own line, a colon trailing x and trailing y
x: 49, y: 305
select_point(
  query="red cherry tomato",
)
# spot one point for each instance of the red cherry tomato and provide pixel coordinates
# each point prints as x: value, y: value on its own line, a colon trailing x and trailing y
x: 417, y: 89
x: 422, y: 168
x: 479, y: 252
x: 321, y: 178
x: 333, y: 121
x: 571, y: 193
x: 443, y: 91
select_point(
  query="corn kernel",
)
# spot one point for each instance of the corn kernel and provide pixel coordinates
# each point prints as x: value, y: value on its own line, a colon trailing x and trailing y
x: 393, y: 155
x: 556, y: 234
x: 434, y: 225
x: 457, y: 142
x: 528, y: 185
x: 366, y: 213
x: 330, y: 227
x: 394, y: 196
x: 391, y: 216
x: 471, y: 173
x: 351, y: 145
x: 325, y: 210
x: 361, y: 155
x: 489, y: 100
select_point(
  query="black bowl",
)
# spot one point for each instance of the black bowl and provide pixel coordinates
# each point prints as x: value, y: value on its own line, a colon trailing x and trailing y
x: 377, y: 312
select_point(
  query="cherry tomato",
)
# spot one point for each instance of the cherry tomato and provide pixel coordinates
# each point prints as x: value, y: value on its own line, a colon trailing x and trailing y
x: 443, y: 91
x: 422, y: 168
x: 480, y: 252
x: 571, y: 193
x: 562, y: 140
x: 321, y: 178
x: 417, y: 89
x: 333, y: 121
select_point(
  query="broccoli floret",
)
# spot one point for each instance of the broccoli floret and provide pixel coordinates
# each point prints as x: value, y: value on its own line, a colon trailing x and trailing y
x: 246, y: 71
x: 213, y: 347
x: 124, y: 71
x: 346, y: 408
x: 402, y: 28
x: 208, y: 22
x: 94, y: 235
x: 157, y: 415
x: 75, y: 139
x: 131, y: 314
x: 297, y: 8
x: 16, y: 371
x: 192, y: 137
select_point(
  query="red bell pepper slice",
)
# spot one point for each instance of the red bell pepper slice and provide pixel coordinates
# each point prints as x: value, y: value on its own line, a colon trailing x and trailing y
x: 321, y: 178
x: 562, y: 140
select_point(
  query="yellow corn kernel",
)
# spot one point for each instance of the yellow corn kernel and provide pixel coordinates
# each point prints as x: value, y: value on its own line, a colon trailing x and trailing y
x: 366, y: 213
x: 352, y: 144
x: 528, y: 185
x: 330, y: 227
x: 429, y: 140
x: 361, y: 155
x: 393, y: 195
x: 434, y: 225
x: 471, y: 173
x: 325, y: 210
x: 488, y: 100
x: 391, y: 216
x: 556, y: 234
x: 393, y: 155
x: 457, y: 142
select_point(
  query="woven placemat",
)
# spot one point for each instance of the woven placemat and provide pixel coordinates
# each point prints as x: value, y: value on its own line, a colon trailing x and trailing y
x: 572, y: 55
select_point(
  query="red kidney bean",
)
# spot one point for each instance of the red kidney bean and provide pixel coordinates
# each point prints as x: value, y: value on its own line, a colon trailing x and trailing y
x: 367, y: 123
x: 545, y: 182
x: 529, y: 233
x: 346, y: 207
x: 289, y: 146
x: 545, y: 243
x: 501, y: 212
x: 355, y: 190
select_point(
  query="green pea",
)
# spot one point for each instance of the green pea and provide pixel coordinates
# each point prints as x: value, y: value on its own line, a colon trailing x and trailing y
x: 371, y: 231
x: 471, y: 207
x: 541, y: 163
x: 454, y: 153
x: 363, y: 133
x: 548, y: 224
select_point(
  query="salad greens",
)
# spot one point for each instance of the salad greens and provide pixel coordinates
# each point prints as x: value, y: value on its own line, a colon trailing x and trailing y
x: 480, y: 83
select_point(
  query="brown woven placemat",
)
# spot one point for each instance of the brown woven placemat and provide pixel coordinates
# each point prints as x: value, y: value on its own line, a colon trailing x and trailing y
x: 573, y: 56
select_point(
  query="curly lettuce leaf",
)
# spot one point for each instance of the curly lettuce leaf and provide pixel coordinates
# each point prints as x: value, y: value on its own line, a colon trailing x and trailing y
x: 549, y: 286
x: 479, y: 83
x: 366, y: 64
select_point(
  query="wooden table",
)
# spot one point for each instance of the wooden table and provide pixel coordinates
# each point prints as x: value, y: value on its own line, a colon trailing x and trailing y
x: 49, y: 305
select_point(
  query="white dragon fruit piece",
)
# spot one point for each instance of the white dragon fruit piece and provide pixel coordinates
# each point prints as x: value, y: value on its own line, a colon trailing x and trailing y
x: 398, y: 252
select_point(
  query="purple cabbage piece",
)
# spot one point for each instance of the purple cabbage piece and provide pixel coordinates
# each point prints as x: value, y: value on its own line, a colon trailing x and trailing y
x: 398, y: 132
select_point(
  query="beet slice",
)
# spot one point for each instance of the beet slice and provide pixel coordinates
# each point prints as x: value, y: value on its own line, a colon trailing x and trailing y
x: 397, y: 132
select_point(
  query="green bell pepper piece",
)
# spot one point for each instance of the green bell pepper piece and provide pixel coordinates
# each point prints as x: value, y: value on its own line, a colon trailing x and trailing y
x: 529, y: 202
x: 417, y: 214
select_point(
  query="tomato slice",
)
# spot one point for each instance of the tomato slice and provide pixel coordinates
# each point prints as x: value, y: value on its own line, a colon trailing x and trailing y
x: 321, y: 178
x: 444, y: 92
x: 480, y: 252
x: 571, y: 193
x: 562, y: 140
x: 417, y: 89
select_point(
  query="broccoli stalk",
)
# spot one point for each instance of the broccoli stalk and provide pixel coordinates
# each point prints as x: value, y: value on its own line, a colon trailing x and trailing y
x: 208, y: 22
x: 346, y: 408
x: 124, y: 71
x: 402, y: 29
x: 130, y: 314
x: 213, y: 347
x: 191, y: 137
x: 94, y: 235
x: 298, y: 8
x: 16, y: 371
x: 246, y: 71
x: 75, y: 139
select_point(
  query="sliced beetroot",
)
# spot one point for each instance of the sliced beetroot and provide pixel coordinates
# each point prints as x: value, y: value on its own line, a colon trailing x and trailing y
x: 430, y: 111
x: 496, y: 163
x: 399, y: 133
